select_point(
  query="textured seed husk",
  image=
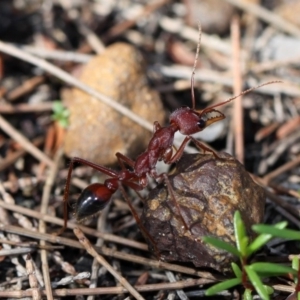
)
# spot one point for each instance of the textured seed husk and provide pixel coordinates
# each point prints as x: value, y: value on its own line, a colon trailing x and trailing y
x: 207, y: 191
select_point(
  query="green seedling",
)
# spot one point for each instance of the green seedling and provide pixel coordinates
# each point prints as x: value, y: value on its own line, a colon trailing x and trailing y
x: 285, y: 234
x: 60, y: 114
x: 249, y: 275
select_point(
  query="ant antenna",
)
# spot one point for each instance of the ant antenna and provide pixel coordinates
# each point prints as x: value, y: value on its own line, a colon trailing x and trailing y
x: 241, y: 94
x: 195, y: 64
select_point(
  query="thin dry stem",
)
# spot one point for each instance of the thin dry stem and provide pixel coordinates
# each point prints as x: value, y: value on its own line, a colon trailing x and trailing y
x: 238, y: 119
x: 33, y: 282
x: 282, y: 169
x: 14, y: 156
x: 25, y: 108
x: 123, y: 26
x: 53, y: 220
x: 267, y: 16
x: 101, y: 225
x: 24, y: 142
x: 181, y: 294
x: 290, y: 209
x: 42, y: 225
x: 61, y: 55
x: 111, y: 290
x: 17, y: 251
x: 92, y: 39
x: 90, y: 249
x: 106, y: 251
x: 67, y: 78
x: 26, y: 87
x: 190, y: 33
x: 273, y: 64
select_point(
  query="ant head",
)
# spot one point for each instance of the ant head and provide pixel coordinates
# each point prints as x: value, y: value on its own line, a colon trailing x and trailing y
x: 189, y: 121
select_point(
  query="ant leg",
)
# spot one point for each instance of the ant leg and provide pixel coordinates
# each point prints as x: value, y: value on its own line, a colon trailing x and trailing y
x: 140, y: 196
x: 198, y: 144
x: 99, y: 168
x: 179, y: 151
x: 164, y: 177
x: 175, y: 203
x: 122, y: 158
x: 203, y: 147
x: 138, y: 220
x: 94, y: 166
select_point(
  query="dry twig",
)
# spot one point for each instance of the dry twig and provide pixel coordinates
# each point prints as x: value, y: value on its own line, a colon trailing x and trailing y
x: 90, y: 249
x: 107, y: 251
x: 67, y: 78
x: 267, y: 16
x: 237, y: 89
x: 25, y: 143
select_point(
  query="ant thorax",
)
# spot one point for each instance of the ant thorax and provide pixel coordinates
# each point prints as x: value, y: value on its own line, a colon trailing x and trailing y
x: 159, y: 148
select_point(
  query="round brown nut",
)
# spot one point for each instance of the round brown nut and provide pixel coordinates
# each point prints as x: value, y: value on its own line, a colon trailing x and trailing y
x: 96, y: 131
x: 207, y: 193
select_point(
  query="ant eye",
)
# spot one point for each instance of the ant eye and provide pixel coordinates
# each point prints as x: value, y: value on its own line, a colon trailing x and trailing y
x: 201, y: 123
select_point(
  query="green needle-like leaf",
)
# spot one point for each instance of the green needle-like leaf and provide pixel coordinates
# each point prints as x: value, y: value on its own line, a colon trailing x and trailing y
x: 236, y: 270
x: 221, y: 245
x: 240, y: 233
x: 257, y: 283
x: 295, y: 266
x: 225, y: 285
x: 262, y: 239
x: 282, y: 233
x: 269, y: 289
x: 271, y: 268
x: 247, y: 295
x: 295, y: 263
x: 244, y: 244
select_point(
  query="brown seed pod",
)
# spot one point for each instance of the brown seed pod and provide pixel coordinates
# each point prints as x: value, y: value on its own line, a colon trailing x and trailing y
x: 208, y: 192
x: 97, y: 131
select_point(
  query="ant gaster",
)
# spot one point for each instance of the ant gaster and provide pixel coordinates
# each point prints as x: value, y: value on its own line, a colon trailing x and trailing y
x: 186, y: 120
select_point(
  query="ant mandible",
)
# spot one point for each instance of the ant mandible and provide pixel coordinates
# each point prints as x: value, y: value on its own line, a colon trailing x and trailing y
x: 186, y: 120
